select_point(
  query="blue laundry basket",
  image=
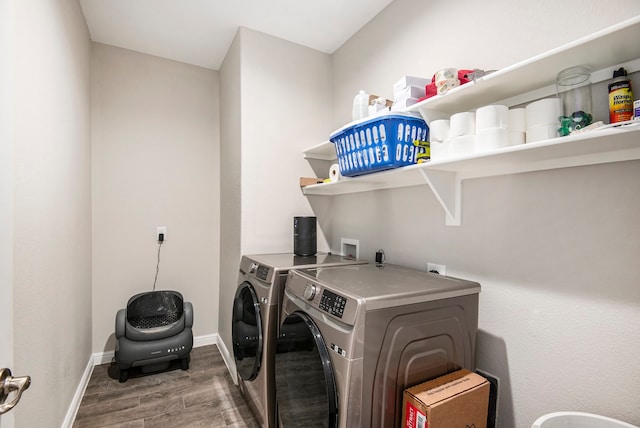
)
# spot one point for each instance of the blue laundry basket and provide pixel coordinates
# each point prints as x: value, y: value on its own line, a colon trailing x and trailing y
x: 380, y: 143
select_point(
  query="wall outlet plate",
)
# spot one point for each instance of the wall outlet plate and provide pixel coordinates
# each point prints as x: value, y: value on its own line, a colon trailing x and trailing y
x: 159, y: 230
x: 437, y: 268
x: 350, y: 248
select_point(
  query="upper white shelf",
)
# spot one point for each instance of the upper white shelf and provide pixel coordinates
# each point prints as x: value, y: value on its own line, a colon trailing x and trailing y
x: 613, y: 45
x: 523, y: 82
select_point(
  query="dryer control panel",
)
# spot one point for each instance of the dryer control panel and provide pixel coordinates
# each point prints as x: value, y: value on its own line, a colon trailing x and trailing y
x: 257, y: 270
x: 332, y: 303
x: 326, y: 299
x: 262, y: 272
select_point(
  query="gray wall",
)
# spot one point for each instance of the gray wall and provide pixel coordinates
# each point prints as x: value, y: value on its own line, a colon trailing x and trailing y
x: 50, y: 105
x: 230, y: 193
x: 286, y: 99
x: 556, y: 252
x: 155, y: 161
x: 6, y: 195
x: 276, y: 101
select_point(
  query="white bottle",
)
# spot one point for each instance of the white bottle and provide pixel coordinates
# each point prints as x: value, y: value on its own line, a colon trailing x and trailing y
x: 361, y: 105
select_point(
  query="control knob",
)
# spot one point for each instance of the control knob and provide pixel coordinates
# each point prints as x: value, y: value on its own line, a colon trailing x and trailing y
x: 253, y: 267
x: 309, y: 291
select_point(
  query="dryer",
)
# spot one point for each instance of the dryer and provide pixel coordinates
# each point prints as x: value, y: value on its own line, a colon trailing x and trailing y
x: 256, y: 310
x: 353, y: 338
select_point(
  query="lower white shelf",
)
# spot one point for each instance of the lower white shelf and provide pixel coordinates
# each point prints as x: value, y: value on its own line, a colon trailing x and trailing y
x: 322, y: 151
x: 445, y: 177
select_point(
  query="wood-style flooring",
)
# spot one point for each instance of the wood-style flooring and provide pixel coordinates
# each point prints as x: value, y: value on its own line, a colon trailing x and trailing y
x: 203, y: 396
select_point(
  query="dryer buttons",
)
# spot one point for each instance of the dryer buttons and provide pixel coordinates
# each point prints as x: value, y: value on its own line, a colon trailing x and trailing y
x: 338, y: 350
x: 262, y: 272
x: 333, y: 303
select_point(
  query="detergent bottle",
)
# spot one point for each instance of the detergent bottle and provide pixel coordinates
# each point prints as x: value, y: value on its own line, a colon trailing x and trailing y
x: 620, y: 97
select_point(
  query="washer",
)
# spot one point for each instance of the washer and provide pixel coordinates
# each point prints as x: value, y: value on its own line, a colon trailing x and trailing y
x: 353, y: 338
x: 256, y: 309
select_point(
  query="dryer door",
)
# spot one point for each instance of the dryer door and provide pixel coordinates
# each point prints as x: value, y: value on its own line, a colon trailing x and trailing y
x: 246, y: 331
x: 305, y: 384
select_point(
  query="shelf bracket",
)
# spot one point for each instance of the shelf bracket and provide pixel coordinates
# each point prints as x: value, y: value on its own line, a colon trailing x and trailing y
x: 447, y: 188
x: 430, y: 115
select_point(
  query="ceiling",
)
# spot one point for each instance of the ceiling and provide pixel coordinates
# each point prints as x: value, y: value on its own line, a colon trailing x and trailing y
x: 199, y: 32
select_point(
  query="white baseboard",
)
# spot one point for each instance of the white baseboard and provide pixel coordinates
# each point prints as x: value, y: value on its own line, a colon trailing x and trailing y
x: 98, y: 358
x: 102, y: 357
x: 77, y: 397
x: 228, y: 360
x: 198, y: 341
x: 206, y: 340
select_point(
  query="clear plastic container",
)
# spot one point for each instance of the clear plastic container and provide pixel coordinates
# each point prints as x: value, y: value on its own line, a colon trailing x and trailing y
x: 574, y: 90
x: 360, y: 105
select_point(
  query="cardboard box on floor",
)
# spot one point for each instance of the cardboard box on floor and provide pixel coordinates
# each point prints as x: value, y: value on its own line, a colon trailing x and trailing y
x: 458, y: 399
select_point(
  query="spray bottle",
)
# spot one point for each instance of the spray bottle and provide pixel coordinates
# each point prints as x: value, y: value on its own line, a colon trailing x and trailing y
x: 620, y: 97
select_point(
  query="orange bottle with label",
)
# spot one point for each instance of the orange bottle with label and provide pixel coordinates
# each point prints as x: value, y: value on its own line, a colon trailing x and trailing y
x: 620, y: 97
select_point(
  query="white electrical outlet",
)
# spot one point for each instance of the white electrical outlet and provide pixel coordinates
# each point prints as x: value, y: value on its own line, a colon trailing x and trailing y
x: 437, y: 268
x: 350, y: 247
x: 161, y: 230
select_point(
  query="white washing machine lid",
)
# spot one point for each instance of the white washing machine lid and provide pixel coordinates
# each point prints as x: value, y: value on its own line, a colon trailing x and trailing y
x: 389, y: 285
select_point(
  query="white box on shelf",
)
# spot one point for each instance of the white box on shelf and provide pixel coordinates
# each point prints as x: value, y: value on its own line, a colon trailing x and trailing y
x: 403, y: 104
x: 410, y: 81
x: 409, y: 92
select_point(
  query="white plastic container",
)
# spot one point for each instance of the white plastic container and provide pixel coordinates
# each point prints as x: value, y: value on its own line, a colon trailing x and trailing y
x: 542, y: 132
x: 517, y: 137
x: 517, y: 120
x: 492, y: 127
x: 578, y: 420
x: 360, y: 105
x: 462, y: 124
x: 541, y: 118
x: 491, y: 139
x: 439, y: 139
x: 439, y: 150
x: 542, y: 112
x: 492, y: 117
x: 461, y: 146
x: 439, y: 130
